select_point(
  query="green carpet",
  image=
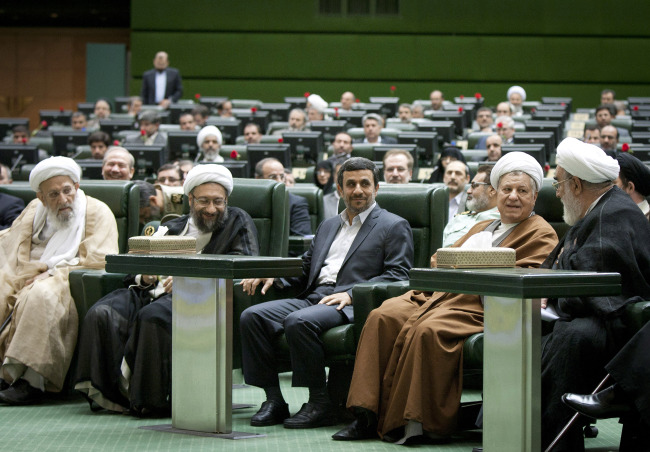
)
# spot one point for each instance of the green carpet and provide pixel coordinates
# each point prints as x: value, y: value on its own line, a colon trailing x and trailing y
x: 69, y: 425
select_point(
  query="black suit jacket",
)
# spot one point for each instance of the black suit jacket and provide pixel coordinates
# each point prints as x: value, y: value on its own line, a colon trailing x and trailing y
x: 10, y: 208
x: 300, y: 223
x: 384, y: 140
x: 173, y: 90
x: 381, y: 251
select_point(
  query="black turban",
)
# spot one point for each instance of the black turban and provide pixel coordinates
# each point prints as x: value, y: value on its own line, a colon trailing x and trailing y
x: 635, y: 171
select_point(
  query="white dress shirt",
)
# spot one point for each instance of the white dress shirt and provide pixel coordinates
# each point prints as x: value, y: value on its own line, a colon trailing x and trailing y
x: 454, y: 203
x: 341, y: 245
x: 161, y: 85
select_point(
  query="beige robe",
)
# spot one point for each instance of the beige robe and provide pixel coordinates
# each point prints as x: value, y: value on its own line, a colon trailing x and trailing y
x: 42, y: 333
x: 409, y: 360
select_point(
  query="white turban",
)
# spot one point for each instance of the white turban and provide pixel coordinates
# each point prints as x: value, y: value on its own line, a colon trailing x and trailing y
x: 317, y: 102
x: 205, y: 132
x: 519, y: 90
x: 52, y: 167
x: 517, y: 161
x: 203, y: 174
x: 586, y: 161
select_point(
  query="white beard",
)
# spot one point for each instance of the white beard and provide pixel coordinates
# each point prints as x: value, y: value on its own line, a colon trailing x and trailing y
x: 572, y: 209
x: 62, y: 220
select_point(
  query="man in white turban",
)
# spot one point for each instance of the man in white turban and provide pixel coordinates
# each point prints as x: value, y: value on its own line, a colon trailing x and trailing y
x: 609, y: 233
x: 516, y: 97
x: 394, y: 391
x: 142, y: 358
x: 315, y: 108
x: 210, y: 140
x: 61, y: 230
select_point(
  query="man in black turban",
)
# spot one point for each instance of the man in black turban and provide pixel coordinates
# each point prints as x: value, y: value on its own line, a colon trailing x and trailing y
x: 634, y: 179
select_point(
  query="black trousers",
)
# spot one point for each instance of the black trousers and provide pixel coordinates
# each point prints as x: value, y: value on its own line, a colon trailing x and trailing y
x: 302, y: 321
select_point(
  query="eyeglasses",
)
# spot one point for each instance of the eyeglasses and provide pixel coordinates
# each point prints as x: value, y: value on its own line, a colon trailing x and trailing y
x: 276, y: 177
x: 67, y: 191
x: 168, y: 179
x: 475, y: 185
x: 556, y: 184
x: 205, y: 202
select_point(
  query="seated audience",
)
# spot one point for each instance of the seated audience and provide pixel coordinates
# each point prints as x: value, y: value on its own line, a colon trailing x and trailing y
x: 364, y: 243
x: 99, y: 142
x: 592, y: 135
x: 347, y: 100
x: 324, y: 176
x: 201, y: 114
x: 456, y: 177
x: 609, y: 233
x: 297, y: 122
x: 134, y: 105
x: 300, y: 223
x: 408, y: 368
x: 607, y: 96
x: 341, y: 148
x: 448, y: 154
x: 5, y: 175
x: 506, y: 128
x: 504, y: 109
x: 289, y: 179
x: 372, y: 125
x: 484, y: 120
x: 170, y: 175
x: 78, y: 121
x: 20, y: 135
x: 609, y: 140
x: 149, y: 134
x: 61, y: 230
x: 102, y: 110
x: 437, y: 100
x: 187, y: 122
x: 404, y: 113
x: 185, y: 166
x: 314, y: 114
x: 125, y: 345
x: 398, y: 166
x: 604, y: 115
x: 634, y: 179
x: 481, y: 205
x: 417, y: 111
x: 331, y: 200
x: 118, y: 164
x: 224, y: 109
x: 252, y: 133
x: 493, y: 146
x: 209, y: 140
x: 516, y: 97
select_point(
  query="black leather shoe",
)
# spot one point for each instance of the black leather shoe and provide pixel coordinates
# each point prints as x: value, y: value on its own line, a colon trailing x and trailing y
x: 602, y: 405
x: 21, y: 393
x: 271, y: 413
x: 312, y: 416
x: 358, y: 429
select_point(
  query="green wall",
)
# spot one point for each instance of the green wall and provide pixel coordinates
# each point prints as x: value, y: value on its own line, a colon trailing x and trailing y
x: 270, y: 49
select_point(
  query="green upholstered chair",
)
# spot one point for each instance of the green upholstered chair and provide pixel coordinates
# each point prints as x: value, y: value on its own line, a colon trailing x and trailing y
x: 473, y: 138
x: 363, y: 150
x: 314, y: 196
x: 266, y: 139
x: 226, y: 150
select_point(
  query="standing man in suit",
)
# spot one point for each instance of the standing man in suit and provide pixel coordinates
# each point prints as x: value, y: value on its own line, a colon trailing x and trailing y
x: 363, y: 243
x: 372, y: 125
x: 161, y: 85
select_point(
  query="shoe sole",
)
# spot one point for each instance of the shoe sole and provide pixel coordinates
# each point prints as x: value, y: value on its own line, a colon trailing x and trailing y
x: 324, y: 423
x: 266, y: 424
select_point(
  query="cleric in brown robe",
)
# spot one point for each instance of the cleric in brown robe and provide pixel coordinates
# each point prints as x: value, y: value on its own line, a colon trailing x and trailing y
x: 408, y: 369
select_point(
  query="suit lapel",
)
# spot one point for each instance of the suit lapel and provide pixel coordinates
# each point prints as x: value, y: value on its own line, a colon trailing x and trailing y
x: 367, y: 226
x: 321, y: 252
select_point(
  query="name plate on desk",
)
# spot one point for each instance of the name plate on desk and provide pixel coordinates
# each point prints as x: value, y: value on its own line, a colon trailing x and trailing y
x: 168, y: 244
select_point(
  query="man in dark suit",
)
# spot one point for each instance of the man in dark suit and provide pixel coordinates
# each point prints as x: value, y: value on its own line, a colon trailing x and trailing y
x: 10, y: 208
x: 149, y: 133
x: 299, y: 221
x: 363, y: 243
x: 372, y: 125
x: 161, y: 85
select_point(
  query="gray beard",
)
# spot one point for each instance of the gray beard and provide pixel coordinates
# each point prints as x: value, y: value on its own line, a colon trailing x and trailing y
x: 477, y: 204
x: 572, y: 209
x: 209, y: 226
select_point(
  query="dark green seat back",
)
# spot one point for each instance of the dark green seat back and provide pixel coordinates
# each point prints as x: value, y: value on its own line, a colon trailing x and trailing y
x: 266, y: 201
x: 314, y: 197
x: 549, y: 207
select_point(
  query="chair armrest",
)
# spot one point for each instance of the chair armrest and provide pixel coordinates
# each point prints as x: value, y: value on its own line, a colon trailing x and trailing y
x: 369, y: 296
x: 637, y: 314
